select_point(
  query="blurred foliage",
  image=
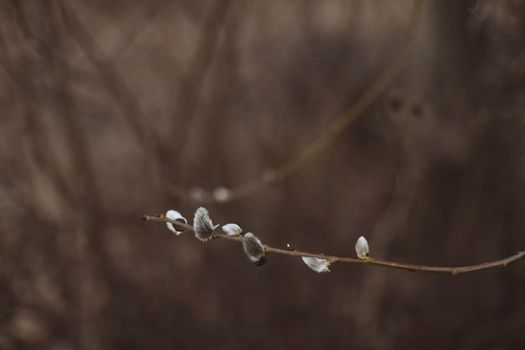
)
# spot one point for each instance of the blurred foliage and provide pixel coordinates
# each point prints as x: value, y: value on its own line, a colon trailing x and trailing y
x: 106, y: 104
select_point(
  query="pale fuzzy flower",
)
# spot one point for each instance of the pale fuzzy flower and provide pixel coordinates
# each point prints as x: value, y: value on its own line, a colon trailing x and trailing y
x: 176, y: 216
x: 316, y: 264
x: 268, y: 175
x: 232, y: 229
x: 202, y: 224
x: 222, y: 194
x: 253, y: 248
x: 361, y: 248
x: 198, y: 194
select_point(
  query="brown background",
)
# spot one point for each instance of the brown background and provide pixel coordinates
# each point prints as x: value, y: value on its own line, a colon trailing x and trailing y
x: 106, y: 104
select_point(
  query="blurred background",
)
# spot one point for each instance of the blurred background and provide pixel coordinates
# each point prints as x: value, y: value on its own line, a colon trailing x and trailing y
x: 109, y: 108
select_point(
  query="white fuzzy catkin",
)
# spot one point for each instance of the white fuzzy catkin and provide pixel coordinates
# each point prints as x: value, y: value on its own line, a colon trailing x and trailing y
x: 202, y: 224
x: 253, y: 248
x: 175, y: 216
x: 199, y: 194
x: 361, y: 248
x: 232, y: 229
x: 222, y: 194
x: 316, y: 264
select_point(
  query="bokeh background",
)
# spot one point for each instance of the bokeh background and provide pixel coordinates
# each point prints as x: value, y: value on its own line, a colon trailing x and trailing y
x: 107, y: 107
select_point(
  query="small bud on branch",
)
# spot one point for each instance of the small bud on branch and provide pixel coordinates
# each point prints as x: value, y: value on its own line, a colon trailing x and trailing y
x: 232, y: 230
x: 361, y: 248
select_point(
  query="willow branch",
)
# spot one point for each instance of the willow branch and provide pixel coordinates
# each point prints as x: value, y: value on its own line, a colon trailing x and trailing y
x: 367, y: 261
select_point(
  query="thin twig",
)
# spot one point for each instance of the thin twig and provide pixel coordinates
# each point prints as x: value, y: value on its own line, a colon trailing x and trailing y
x: 149, y: 15
x: 330, y: 134
x: 367, y: 261
x: 115, y: 85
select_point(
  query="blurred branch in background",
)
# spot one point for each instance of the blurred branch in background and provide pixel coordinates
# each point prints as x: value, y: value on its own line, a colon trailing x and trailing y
x: 114, y: 83
x: 324, y: 140
x: 153, y: 10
